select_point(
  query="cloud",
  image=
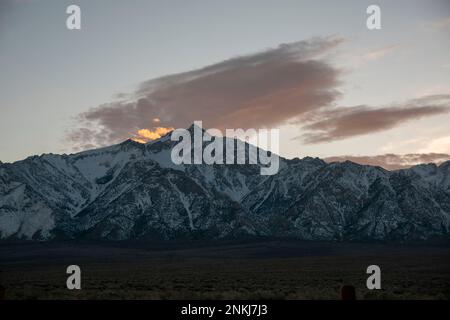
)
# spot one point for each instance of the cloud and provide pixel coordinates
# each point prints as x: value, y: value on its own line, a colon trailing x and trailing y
x: 394, y: 161
x: 441, y: 24
x: 345, y: 122
x: 259, y: 90
x: 292, y: 82
x: 441, y: 144
x: 146, y: 135
x: 379, y: 53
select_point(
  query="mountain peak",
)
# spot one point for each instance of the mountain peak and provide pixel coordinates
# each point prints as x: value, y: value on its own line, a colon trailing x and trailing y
x: 193, y: 126
x: 445, y: 165
x: 129, y: 142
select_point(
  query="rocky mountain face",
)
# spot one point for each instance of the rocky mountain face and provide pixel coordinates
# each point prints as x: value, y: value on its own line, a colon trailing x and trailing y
x: 134, y: 191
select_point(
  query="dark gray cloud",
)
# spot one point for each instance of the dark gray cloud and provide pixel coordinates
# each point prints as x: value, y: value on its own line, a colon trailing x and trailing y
x: 394, y: 161
x: 253, y: 91
x: 291, y: 82
x: 344, y: 122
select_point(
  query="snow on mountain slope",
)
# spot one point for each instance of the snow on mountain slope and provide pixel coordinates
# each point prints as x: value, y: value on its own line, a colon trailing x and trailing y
x: 132, y: 190
x: 23, y: 214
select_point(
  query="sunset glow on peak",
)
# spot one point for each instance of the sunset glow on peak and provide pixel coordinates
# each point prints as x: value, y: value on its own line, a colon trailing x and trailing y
x: 146, y: 135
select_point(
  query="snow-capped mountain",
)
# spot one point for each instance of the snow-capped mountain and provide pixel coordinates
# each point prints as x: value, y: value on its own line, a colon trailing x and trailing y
x: 135, y: 191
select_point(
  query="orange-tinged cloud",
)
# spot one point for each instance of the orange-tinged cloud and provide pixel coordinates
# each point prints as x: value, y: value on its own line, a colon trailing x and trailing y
x: 146, y: 135
x: 259, y: 90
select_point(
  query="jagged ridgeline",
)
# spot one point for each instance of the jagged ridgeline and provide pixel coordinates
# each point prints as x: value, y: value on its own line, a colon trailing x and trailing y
x: 135, y: 191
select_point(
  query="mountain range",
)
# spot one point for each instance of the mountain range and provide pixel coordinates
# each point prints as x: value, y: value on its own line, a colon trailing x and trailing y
x: 134, y: 191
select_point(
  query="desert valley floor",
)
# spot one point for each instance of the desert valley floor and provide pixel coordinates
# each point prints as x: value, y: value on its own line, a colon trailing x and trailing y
x: 252, y: 269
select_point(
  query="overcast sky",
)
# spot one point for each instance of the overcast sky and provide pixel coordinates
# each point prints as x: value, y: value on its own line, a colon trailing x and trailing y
x: 310, y: 68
